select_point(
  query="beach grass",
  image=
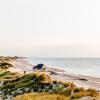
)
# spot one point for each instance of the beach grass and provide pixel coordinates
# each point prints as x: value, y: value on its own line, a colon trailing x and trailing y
x: 42, y: 83
x: 7, y: 75
x: 41, y: 96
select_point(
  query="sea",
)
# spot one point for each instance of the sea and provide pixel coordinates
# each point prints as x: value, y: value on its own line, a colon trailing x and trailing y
x: 78, y: 66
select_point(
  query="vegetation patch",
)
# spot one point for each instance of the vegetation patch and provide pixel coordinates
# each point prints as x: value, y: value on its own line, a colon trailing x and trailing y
x: 5, y: 65
x: 41, y: 96
x: 7, y: 75
x: 42, y: 83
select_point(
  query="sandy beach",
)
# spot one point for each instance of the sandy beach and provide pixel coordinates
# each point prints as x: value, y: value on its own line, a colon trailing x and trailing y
x: 21, y: 65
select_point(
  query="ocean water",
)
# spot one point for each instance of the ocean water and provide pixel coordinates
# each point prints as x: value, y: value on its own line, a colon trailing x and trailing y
x: 79, y: 66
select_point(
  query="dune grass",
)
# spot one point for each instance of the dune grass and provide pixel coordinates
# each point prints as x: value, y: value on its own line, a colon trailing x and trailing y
x: 5, y: 65
x: 90, y: 92
x: 6, y: 75
x: 41, y: 96
x: 2, y: 74
x: 42, y: 83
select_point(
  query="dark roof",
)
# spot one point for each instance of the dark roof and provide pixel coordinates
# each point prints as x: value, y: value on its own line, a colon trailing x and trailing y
x: 38, y: 66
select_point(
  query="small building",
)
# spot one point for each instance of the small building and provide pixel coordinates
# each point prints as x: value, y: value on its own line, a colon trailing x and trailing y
x: 39, y: 67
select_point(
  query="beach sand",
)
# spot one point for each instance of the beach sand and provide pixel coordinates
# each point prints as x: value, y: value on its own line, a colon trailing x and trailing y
x: 21, y: 65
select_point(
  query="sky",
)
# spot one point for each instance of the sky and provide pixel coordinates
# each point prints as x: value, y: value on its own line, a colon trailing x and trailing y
x: 50, y: 28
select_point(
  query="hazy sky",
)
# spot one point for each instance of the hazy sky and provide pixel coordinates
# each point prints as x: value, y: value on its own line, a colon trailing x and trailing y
x: 52, y: 28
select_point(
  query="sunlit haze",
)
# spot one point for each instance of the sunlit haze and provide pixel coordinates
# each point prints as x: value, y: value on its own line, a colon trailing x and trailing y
x: 50, y: 28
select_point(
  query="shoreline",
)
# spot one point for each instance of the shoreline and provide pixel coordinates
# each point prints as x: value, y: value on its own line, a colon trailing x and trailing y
x: 21, y: 65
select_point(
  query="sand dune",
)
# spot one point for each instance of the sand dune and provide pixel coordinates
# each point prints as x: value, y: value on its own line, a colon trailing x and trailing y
x: 21, y: 65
